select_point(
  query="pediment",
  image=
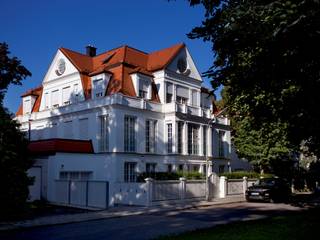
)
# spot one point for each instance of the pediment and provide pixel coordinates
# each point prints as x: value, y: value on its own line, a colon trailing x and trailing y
x: 183, y: 64
x: 60, y: 67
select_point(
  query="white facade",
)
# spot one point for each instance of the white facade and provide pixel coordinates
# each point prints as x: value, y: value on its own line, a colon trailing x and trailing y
x: 129, y: 133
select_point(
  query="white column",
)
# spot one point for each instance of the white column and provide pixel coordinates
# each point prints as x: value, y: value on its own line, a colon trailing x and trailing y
x: 185, y: 138
x: 201, y: 143
x: 149, y: 182
x: 245, y: 185
x: 209, y: 148
x: 223, y: 187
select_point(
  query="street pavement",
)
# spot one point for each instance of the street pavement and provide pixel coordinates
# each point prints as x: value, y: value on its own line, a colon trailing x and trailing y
x: 152, y: 225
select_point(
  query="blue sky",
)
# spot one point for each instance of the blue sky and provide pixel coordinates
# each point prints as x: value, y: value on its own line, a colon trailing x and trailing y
x: 35, y: 29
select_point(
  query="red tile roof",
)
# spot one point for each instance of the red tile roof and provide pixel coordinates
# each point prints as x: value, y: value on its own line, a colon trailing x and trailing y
x: 51, y: 146
x: 120, y: 62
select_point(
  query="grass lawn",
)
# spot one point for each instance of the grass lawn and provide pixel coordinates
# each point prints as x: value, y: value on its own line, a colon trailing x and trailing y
x: 303, y: 225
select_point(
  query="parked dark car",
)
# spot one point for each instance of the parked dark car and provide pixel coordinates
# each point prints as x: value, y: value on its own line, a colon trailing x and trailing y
x: 269, y: 189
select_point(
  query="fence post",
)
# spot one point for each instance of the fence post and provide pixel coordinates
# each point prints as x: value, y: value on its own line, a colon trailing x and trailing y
x: 182, y: 188
x: 245, y: 185
x: 223, y: 187
x: 149, y: 182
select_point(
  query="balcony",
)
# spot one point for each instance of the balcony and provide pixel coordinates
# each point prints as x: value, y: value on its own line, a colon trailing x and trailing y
x: 186, y: 109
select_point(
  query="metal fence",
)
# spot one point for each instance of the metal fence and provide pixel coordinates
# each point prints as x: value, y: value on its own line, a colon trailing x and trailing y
x: 82, y: 193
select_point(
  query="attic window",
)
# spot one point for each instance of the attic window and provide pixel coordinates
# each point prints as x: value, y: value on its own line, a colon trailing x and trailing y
x: 144, y: 86
x: 26, y: 106
x: 98, y: 88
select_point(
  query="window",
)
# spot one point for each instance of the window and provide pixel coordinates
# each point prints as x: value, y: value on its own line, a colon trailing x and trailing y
x: 55, y: 98
x: 181, y: 100
x: 98, y: 88
x: 221, y: 143
x: 169, y: 137
x: 83, y: 128
x: 151, y: 169
x: 104, y: 133
x: 75, y: 175
x: 204, y: 169
x: 204, y: 136
x: 130, y: 174
x: 221, y: 168
x: 67, y: 130
x: 181, y: 167
x: 193, y: 139
x: 180, y: 137
x: 196, y: 168
x: 144, y: 86
x: 169, y: 168
x: 182, y: 95
x: 143, y: 94
x: 46, y: 100
x: 26, y: 106
x: 195, y: 98
x: 66, y: 95
x: 75, y: 92
x: 150, y: 135
x: 169, y: 93
x: 129, y: 134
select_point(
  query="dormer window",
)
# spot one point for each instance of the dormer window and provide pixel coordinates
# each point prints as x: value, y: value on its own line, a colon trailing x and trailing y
x: 26, y: 106
x: 144, y: 88
x: 98, y: 88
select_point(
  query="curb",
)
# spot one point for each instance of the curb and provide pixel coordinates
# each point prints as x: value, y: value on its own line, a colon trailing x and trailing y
x: 100, y: 216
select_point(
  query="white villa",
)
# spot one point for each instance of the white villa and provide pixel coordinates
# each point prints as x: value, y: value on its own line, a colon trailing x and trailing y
x: 111, y: 116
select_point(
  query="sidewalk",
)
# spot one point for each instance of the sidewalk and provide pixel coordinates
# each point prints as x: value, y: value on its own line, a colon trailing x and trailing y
x: 115, y: 212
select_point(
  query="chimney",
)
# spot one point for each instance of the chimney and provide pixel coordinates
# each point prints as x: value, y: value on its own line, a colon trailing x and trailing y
x: 91, y: 51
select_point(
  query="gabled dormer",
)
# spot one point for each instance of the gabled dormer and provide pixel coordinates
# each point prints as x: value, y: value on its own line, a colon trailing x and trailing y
x: 142, y: 82
x: 99, y: 85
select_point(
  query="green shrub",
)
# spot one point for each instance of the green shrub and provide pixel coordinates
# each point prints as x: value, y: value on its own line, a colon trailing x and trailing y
x: 241, y: 174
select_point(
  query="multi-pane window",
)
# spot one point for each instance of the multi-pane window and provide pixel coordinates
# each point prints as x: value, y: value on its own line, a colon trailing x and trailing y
x: 66, y: 95
x: 143, y: 94
x: 129, y: 134
x: 130, y: 174
x: 150, y: 135
x: 55, y: 98
x: 193, y: 139
x: 104, y: 133
x: 180, y: 137
x: 46, y: 100
x: 75, y: 175
x: 169, y: 137
x: 204, y: 136
x: 26, y: 106
x: 144, y: 86
x: 182, y: 95
x: 221, y: 143
x: 169, y: 168
x: 195, y: 101
x: 151, y: 169
x: 221, y: 168
x: 98, y: 88
x: 181, y: 100
x: 169, y: 92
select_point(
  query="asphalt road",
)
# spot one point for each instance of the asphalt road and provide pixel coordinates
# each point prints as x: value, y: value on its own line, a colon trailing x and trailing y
x: 153, y: 225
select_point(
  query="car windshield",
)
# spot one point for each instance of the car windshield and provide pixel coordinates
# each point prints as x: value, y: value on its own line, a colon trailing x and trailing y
x: 265, y: 182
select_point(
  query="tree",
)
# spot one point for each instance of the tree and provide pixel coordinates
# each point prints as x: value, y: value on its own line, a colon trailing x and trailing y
x: 267, y: 57
x: 14, y: 157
